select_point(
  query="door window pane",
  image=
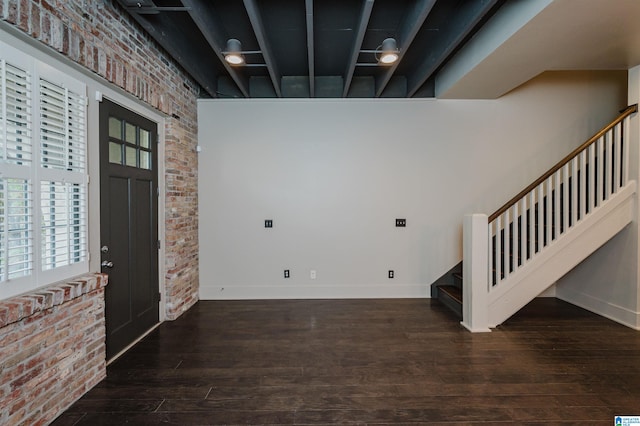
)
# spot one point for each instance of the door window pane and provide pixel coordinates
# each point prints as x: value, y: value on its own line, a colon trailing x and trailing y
x: 130, y: 133
x: 144, y: 138
x: 115, y: 128
x: 145, y: 160
x: 131, y: 156
x: 115, y: 153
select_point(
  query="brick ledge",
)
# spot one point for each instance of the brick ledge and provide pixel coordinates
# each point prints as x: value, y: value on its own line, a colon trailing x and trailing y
x: 16, y: 308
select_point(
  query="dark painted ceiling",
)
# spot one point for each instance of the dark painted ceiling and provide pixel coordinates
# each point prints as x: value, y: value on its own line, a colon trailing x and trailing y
x: 308, y: 48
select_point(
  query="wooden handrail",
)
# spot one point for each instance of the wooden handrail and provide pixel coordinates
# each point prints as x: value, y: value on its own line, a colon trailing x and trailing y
x: 624, y: 114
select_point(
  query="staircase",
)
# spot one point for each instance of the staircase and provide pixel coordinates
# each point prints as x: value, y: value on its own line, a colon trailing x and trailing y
x: 542, y: 233
x: 448, y: 290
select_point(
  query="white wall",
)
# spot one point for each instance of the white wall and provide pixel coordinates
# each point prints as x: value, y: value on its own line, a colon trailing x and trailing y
x: 334, y: 175
x: 608, y: 282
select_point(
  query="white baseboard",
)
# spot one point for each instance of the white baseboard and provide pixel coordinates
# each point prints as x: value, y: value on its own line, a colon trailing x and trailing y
x: 374, y: 291
x: 601, y: 307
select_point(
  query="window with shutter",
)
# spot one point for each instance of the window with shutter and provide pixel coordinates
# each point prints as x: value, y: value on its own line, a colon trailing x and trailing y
x: 43, y: 176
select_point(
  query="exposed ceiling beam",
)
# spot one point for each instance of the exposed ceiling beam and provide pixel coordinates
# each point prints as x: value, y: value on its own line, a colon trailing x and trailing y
x: 365, y: 14
x: 208, y: 24
x: 173, y: 41
x: 413, y: 23
x: 312, y: 74
x: 258, y: 29
x: 155, y: 10
x: 446, y: 42
x: 137, y: 3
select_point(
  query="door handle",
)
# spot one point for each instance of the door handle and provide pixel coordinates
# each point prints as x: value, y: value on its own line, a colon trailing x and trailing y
x: 106, y: 264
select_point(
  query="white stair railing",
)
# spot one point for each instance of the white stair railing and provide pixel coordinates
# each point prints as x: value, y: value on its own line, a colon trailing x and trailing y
x: 525, y: 228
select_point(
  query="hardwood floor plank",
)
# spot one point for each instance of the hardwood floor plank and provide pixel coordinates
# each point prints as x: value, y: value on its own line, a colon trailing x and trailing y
x: 452, y: 415
x: 116, y: 405
x: 165, y: 391
x: 551, y: 414
x: 69, y: 419
x: 187, y: 419
x: 312, y: 378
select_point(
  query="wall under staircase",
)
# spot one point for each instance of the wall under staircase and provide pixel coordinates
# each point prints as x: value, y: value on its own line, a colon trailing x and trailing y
x: 513, y: 255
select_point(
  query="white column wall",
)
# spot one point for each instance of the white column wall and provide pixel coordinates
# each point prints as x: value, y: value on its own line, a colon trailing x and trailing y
x: 333, y: 175
x: 608, y: 282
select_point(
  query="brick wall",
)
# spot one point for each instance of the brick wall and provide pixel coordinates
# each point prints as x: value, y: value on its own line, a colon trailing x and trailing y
x: 101, y: 37
x: 52, y: 346
x: 52, y: 342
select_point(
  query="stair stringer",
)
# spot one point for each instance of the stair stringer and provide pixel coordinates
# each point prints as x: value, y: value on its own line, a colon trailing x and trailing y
x: 561, y: 256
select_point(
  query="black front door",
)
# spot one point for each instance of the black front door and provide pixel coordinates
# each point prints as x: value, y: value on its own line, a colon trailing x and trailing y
x: 128, y: 223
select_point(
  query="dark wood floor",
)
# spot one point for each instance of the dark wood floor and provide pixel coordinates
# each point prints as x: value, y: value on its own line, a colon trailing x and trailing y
x: 369, y: 362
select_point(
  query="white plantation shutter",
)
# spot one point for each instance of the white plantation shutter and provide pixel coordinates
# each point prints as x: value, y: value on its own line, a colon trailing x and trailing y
x: 43, y: 176
x: 77, y: 136
x: 63, y: 219
x: 62, y: 128
x: 63, y: 202
x: 53, y: 126
x: 15, y: 110
x: 16, y: 227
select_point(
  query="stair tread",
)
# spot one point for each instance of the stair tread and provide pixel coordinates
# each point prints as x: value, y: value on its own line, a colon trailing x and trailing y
x: 452, y: 291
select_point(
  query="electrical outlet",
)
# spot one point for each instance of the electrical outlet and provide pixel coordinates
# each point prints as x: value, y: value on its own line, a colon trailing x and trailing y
x: 391, y: 273
x: 286, y: 273
x: 268, y: 223
x: 401, y: 223
x: 313, y: 274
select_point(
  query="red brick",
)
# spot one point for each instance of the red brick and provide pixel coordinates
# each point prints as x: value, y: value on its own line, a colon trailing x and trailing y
x: 35, y: 21
x: 17, y: 418
x: 47, y: 5
x: 21, y: 381
x: 4, y: 316
x: 23, y: 21
x: 17, y: 406
x: 45, y: 33
x: 35, y: 339
x: 12, y: 13
x: 10, y: 373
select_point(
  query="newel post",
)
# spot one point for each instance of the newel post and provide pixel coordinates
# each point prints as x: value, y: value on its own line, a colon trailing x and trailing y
x: 475, y: 273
